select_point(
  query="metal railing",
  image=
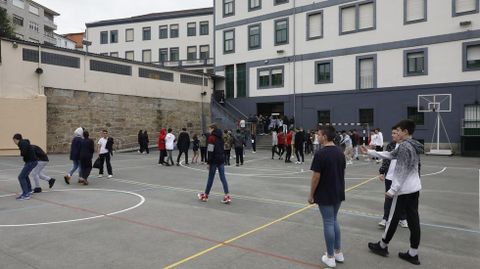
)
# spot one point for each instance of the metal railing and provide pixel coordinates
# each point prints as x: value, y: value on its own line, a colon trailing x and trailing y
x: 186, y: 63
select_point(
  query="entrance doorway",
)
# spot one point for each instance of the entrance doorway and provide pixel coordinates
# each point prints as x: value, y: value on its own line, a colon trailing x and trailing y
x: 267, y: 109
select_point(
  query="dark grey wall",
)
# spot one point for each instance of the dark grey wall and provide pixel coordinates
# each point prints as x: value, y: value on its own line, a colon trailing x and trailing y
x: 389, y: 104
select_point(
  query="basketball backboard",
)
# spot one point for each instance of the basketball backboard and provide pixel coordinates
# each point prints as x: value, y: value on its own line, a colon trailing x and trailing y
x: 435, y: 103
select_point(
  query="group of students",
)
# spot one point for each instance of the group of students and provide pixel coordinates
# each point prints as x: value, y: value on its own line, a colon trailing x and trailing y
x: 143, y: 142
x: 401, y: 172
x: 287, y: 143
x: 167, y: 141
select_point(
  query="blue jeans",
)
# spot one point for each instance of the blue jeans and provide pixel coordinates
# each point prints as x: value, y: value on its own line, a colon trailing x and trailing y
x: 331, y: 228
x: 76, y: 164
x: 211, y: 177
x: 24, y: 179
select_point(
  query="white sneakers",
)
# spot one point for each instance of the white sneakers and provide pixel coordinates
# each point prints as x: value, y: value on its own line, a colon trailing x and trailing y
x: 382, y: 223
x: 332, y: 262
x: 403, y: 223
x: 349, y: 162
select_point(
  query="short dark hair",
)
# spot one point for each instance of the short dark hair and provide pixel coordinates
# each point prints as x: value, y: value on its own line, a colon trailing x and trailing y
x: 169, y: 130
x: 213, y: 125
x: 408, y: 125
x: 86, y: 134
x: 105, y: 131
x: 328, y: 131
x: 184, y: 129
x: 17, y: 137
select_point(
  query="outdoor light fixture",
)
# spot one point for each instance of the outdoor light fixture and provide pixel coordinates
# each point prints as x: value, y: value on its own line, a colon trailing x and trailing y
x: 14, y: 45
x: 280, y: 51
x: 39, y: 71
x: 465, y: 23
x: 204, y: 93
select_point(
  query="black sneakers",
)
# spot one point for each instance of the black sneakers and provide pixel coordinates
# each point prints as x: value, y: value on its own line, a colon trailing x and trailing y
x: 37, y: 190
x: 405, y: 256
x: 51, y: 182
x: 377, y: 249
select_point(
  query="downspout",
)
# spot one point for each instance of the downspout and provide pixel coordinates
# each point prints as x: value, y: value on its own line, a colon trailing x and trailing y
x: 294, y: 61
x: 39, y: 67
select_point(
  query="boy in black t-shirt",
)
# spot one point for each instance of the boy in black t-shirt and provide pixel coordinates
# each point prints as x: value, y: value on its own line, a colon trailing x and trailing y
x: 328, y: 191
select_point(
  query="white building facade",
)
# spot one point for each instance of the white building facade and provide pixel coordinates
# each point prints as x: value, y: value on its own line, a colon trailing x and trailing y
x: 349, y: 60
x: 171, y: 39
x: 32, y: 21
x: 63, y: 42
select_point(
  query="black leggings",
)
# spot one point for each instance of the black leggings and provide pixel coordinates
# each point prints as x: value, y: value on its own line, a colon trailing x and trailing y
x: 85, y: 168
x: 299, y: 151
x: 239, y: 155
x: 203, y: 154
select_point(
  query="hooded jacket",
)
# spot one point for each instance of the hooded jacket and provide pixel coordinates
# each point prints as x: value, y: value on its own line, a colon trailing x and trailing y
x: 76, y: 144
x: 161, y: 139
x: 26, y: 150
x: 239, y: 140
x: 183, y: 143
x: 215, y: 148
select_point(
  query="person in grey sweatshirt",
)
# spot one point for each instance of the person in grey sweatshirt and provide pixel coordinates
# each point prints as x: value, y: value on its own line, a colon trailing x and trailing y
x: 239, y: 143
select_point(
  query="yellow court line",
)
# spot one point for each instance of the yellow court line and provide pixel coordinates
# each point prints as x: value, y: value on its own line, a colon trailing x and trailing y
x: 257, y: 229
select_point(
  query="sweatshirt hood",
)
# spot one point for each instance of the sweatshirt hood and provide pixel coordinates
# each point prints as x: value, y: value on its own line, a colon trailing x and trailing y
x: 78, y: 132
x: 416, y: 145
x: 217, y: 133
x: 163, y: 131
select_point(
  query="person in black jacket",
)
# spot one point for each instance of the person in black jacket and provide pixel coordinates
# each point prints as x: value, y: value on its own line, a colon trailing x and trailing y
x: 86, y: 154
x: 215, y: 161
x: 299, y: 141
x: 26, y: 151
x: 75, y: 153
x: 145, y: 142
x: 37, y: 172
x: 140, y: 141
x: 183, y: 144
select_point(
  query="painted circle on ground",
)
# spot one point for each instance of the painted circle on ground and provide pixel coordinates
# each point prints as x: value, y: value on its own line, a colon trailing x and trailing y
x: 142, y: 200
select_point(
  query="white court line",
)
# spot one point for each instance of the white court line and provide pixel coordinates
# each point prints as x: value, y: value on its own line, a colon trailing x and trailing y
x: 142, y: 200
x: 435, y: 173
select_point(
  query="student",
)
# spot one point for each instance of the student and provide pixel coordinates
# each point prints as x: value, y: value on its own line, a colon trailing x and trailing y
x: 289, y: 146
x: 161, y: 147
x: 239, y: 142
x: 183, y: 145
x: 203, y: 148
x: 348, y: 151
x: 169, y: 145
x: 146, y: 141
x: 75, y: 153
x: 254, y: 143
x: 196, y: 146
x: 26, y: 151
x: 37, y: 172
x: 86, y: 154
x: 386, y: 174
x: 104, y: 152
x: 273, y: 131
x: 227, y: 146
x: 299, y: 141
x: 140, y: 141
x: 328, y: 191
x: 281, y: 140
x: 405, y: 191
x: 215, y: 161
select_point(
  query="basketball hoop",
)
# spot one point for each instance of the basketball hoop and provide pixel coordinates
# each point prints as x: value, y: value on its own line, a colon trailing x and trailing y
x: 438, y: 103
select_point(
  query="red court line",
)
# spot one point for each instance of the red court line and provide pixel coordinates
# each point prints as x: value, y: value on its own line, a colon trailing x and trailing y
x: 165, y: 229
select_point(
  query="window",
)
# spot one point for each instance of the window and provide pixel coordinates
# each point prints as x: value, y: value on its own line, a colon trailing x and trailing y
x: 314, y: 25
x: 228, y: 8
x: 323, y: 72
x: 204, y: 28
x: 254, y: 37
x: 229, y: 81
x: 241, y: 80
x: 191, y: 53
x: 33, y: 26
x: 357, y: 17
x: 229, y: 41
x: 415, y: 116
x: 146, y: 33
x: 415, y: 62
x: 414, y: 11
x: 366, y: 72
x: 114, y: 54
x: 174, y: 54
x: 114, y: 36
x: 104, y: 37
x: 173, y: 30
x: 464, y: 7
x: 472, y: 116
x: 254, y: 5
x: 104, y: 53
x: 129, y: 34
x: 146, y: 56
x: 279, y: 2
x: 130, y: 55
x: 163, y: 55
x: 204, y: 52
x: 33, y: 9
x: 191, y: 29
x: 163, y: 31
x: 19, y: 3
x: 365, y: 116
x: 17, y: 20
x: 323, y: 116
x: 281, y: 32
x: 471, y: 56
x: 270, y: 77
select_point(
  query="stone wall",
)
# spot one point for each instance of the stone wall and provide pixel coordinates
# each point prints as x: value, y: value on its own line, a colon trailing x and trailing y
x: 121, y: 115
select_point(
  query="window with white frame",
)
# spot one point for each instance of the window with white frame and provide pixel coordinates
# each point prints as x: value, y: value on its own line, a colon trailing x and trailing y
x: 315, y: 25
x: 471, y: 56
x: 357, y: 17
x: 34, y: 26
x: 147, y: 56
x: 229, y: 41
x: 19, y: 3
x: 192, y: 53
x: 129, y: 35
x: 174, y: 30
x: 114, y: 54
x: 204, y: 28
x: 464, y: 7
x: 204, y: 52
x: 272, y: 77
x: 17, y: 20
x: 163, y: 31
x: 281, y: 32
x: 415, y: 11
x: 279, y: 2
x: 366, y: 72
x: 130, y: 55
x: 254, y: 4
x: 228, y: 8
x: 33, y: 9
x: 191, y: 29
x: 104, y: 37
x: 254, y: 36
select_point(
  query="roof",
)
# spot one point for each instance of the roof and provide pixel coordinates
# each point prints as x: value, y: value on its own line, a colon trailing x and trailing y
x: 154, y: 17
x: 77, y: 38
x: 54, y: 13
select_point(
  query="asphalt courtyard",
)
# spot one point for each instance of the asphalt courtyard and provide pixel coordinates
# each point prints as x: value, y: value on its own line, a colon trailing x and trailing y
x: 148, y: 216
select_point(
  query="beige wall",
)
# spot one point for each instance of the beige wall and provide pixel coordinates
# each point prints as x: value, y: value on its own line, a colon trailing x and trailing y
x: 25, y: 116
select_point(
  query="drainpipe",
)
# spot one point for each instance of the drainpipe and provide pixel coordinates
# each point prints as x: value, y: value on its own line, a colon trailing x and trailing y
x: 294, y: 61
x: 39, y: 69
